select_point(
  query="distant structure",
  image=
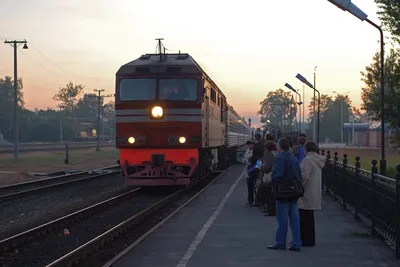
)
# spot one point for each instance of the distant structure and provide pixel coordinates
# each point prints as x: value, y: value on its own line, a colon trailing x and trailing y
x: 4, y: 142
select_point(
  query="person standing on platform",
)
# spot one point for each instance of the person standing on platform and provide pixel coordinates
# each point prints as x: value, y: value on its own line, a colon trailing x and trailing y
x: 311, y: 171
x: 286, y: 167
x: 268, y: 162
x: 258, y: 152
x: 300, y: 149
x: 246, y: 161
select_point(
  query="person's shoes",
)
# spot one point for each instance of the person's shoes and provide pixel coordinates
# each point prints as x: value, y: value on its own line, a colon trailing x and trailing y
x: 269, y: 214
x: 277, y: 247
x: 249, y: 203
x: 307, y: 245
x: 292, y: 248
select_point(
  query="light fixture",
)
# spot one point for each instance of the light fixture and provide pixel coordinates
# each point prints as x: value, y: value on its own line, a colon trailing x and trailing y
x: 157, y: 112
x: 182, y: 139
x: 131, y: 140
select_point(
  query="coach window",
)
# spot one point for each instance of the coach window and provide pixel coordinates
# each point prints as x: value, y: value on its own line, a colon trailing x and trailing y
x: 213, y: 96
x: 137, y: 89
x: 222, y: 110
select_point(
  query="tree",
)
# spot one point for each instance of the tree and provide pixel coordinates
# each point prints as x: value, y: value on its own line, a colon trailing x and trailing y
x: 331, y: 121
x: 330, y: 117
x: 389, y: 14
x: 87, y: 106
x: 68, y: 96
x: 7, y: 105
x: 278, y: 108
x: 325, y: 102
x: 371, y: 91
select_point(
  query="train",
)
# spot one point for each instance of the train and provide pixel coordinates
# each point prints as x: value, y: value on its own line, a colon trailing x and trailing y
x: 173, y: 123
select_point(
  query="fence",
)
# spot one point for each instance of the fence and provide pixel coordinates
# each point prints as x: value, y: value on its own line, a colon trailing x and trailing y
x: 371, y: 197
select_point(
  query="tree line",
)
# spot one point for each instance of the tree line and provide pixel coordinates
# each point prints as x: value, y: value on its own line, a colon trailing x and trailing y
x: 330, y: 109
x: 50, y: 125
x: 279, y: 109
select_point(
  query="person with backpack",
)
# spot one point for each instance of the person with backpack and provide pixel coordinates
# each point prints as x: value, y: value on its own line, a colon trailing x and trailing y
x: 287, y: 185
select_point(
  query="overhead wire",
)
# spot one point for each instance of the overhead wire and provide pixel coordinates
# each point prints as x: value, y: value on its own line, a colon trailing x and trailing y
x: 52, y: 62
x: 44, y: 66
x: 55, y: 64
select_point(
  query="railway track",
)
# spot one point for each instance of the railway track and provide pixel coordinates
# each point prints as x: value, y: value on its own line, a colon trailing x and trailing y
x: 42, y: 244
x: 19, y: 190
x: 87, y: 230
x: 53, y: 147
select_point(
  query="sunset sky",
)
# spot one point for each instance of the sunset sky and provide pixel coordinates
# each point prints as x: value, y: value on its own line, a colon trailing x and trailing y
x: 247, y: 47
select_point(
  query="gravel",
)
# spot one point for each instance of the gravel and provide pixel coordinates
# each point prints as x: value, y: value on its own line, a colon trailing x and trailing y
x: 21, y: 214
x: 49, y: 248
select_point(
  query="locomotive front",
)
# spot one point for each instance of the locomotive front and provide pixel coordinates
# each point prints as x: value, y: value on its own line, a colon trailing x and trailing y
x: 158, y: 119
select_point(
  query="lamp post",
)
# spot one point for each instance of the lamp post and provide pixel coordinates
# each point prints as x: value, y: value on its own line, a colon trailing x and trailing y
x: 347, y: 5
x: 299, y: 103
x: 15, y: 44
x: 304, y: 80
x: 341, y: 113
x: 314, y: 86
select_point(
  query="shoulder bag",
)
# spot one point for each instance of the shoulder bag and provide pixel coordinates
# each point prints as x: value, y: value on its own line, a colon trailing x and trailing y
x: 288, y: 188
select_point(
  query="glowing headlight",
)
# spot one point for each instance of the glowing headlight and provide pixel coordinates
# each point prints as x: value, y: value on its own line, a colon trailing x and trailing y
x: 182, y: 139
x: 157, y: 112
x: 131, y: 140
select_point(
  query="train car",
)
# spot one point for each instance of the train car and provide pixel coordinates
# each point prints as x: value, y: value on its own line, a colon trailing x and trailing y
x: 173, y: 123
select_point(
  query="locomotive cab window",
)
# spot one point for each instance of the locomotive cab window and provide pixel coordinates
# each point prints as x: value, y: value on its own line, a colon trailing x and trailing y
x: 137, y: 89
x: 178, y: 89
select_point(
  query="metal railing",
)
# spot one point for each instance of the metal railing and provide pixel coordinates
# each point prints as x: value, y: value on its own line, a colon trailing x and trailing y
x: 371, y: 197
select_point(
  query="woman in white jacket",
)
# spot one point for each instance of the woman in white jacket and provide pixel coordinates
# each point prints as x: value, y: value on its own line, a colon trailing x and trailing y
x: 311, y: 172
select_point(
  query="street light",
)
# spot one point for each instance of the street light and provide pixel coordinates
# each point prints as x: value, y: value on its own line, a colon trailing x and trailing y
x: 299, y: 103
x: 304, y: 80
x: 347, y: 5
x: 341, y: 113
x: 15, y: 44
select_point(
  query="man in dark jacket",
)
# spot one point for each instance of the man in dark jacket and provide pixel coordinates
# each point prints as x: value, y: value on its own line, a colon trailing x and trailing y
x: 258, y: 152
x: 258, y: 149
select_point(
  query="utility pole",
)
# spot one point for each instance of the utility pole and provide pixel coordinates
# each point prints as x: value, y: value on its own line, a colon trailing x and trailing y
x: 15, y: 44
x: 98, y: 117
x: 341, y: 120
x: 314, y: 119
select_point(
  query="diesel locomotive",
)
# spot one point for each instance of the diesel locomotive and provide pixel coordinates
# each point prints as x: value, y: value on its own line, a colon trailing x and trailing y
x: 173, y: 123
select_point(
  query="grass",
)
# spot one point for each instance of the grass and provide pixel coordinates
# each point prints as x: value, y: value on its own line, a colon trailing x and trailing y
x: 366, y: 157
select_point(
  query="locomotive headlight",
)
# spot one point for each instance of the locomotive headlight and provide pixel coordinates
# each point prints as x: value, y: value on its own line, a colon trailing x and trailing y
x: 157, y: 112
x: 182, y: 139
x: 131, y: 140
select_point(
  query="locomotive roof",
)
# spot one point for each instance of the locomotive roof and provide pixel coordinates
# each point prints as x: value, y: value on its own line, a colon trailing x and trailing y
x: 169, y: 63
x: 151, y: 63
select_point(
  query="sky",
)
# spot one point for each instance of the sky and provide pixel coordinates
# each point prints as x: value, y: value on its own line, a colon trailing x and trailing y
x: 247, y: 47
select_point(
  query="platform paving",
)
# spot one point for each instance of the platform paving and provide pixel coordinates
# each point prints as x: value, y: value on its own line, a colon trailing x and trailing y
x: 218, y: 229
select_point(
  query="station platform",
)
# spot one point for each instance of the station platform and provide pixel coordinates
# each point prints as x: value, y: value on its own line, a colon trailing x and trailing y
x: 218, y: 229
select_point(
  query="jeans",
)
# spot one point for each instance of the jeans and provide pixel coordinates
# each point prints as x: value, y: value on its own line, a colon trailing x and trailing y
x: 287, y: 212
x: 250, y: 190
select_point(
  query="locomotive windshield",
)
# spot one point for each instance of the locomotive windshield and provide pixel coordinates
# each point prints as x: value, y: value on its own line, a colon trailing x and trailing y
x: 178, y: 89
x: 137, y: 89
x: 168, y: 89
